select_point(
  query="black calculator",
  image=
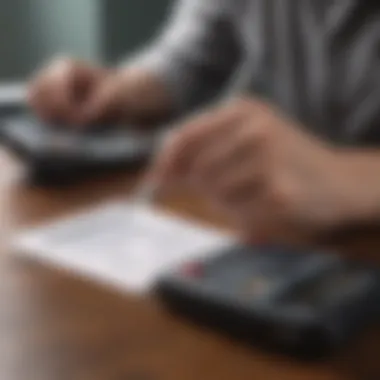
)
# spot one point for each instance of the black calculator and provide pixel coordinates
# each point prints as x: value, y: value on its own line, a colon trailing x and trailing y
x: 56, y: 154
x: 300, y: 303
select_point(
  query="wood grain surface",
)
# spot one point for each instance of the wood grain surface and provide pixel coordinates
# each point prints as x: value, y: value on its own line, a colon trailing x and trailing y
x: 55, y: 326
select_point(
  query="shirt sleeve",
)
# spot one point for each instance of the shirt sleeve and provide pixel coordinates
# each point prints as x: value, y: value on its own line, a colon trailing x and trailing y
x: 196, y: 53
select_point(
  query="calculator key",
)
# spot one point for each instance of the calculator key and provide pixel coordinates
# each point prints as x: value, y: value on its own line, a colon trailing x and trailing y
x: 194, y: 270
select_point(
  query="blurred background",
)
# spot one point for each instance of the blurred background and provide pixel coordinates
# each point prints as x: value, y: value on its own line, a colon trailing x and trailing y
x: 32, y: 31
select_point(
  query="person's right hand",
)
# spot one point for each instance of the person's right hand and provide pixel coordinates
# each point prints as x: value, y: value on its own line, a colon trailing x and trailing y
x: 79, y: 93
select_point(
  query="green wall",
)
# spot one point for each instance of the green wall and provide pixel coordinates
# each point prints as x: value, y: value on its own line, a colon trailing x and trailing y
x: 32, y: 31
x: 129, y: 24
x: 14, y: 37
x: 71, y: 26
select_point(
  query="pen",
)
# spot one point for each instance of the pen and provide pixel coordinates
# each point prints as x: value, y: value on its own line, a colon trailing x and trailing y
x: 146, y: 192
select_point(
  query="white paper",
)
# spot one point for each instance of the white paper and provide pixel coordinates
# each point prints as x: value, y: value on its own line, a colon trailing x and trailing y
x: 122, y: 244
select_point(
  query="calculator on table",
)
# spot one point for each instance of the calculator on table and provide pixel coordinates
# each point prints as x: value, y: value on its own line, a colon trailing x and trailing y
x: 302, y: 303
x: 56, y: 154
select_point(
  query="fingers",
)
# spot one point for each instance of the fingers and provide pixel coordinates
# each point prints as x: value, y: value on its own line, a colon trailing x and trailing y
x: 225, y: 155
x: 202, y: 146
x: 48, y: 92
x: 59, y: 91
x: 188, y: 141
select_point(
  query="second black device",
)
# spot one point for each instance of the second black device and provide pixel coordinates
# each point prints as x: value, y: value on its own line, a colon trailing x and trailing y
x: 303, y: 303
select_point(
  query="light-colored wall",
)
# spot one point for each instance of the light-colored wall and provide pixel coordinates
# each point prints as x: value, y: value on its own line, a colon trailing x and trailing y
x: 32, y: 31
x: 69, y: 26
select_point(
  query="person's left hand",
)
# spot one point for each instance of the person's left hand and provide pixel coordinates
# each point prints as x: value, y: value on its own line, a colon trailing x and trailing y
x: 276, y: 181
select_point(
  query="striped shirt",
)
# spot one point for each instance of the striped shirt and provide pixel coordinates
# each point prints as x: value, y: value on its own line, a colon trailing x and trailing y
x: 318, y: 60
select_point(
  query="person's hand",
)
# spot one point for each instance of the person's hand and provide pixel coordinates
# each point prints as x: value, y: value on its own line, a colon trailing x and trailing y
x: 75, y: 92
x: 62, y: 90
x: 275, y: 181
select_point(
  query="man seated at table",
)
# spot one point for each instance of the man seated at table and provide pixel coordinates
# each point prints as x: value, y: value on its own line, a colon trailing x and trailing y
x: 294, y: 164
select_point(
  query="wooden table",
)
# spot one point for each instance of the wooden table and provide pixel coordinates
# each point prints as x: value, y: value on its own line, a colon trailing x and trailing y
x: 54, y: 326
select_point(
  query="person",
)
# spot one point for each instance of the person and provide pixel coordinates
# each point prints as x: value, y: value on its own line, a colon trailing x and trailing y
x: 292, y: 150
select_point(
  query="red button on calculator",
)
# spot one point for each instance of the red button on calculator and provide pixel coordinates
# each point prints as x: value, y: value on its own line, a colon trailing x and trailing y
x: 192, y: 270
